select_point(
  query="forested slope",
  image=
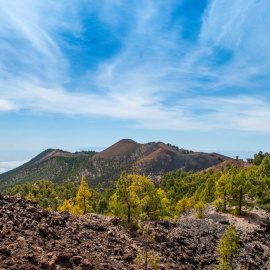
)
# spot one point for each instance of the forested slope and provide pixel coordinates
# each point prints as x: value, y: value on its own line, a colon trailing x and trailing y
x: 105, y: 167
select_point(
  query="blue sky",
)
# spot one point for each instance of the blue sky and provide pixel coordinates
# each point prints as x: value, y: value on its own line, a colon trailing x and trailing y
x: 82, y: 74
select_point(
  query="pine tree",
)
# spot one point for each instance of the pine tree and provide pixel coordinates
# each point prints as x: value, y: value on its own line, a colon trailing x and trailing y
x: 30, y: 196
x: 208, y: 194
x: 151, y: 201
x: 181, y: 206
x: 81, y: 199
x: 191, y: 202
x: 228, y: 249
x: 222, y: 191
x: 146, y: 259
x: 66, y: 206
x: 258, y: 158
x: 136, y: 195
x: 200, y: 208
x: 124, y: 201
x: 237, y: 188
x: 261, y: 182
x: 165, y: 208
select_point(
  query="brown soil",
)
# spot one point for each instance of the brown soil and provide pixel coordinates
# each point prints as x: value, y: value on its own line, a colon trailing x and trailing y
x: 119, y: 149
x: 225, y: 164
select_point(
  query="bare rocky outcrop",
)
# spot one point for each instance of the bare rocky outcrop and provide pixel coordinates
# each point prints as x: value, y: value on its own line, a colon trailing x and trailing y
x: 34, y: 238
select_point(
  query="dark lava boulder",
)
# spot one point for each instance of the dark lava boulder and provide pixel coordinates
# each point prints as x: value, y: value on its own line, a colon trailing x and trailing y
x: 34, y: 238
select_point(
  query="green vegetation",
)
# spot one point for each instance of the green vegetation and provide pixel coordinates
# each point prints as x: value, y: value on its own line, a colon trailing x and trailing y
x: 261, y: 183
x: 258, y: 158
x: 136, y: 195
x: 58, y: 168
x: 200, y: 208
x: 181, y: 150
x: 228, y: 249
x: 198, y: 186
x: 146, y: 258
x: 135, y: 199
x: 45, y: 193
x: 68, y: 196
x: 82, y: 203
x: 230, y: 189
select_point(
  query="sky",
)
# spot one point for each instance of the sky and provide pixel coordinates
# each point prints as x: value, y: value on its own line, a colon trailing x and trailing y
x: 86, y: 74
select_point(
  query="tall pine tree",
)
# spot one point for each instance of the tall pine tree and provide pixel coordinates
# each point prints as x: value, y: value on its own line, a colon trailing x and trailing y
x: 82, y: 199
x: 228, y: 249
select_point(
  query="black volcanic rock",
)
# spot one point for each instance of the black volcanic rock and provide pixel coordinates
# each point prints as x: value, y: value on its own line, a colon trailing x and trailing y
x: 63, y: 241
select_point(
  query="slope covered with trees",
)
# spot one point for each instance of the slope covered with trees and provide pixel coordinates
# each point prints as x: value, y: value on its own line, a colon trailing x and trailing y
x: 150, y: 159
x: 201, y: 241
x: 135, y: 196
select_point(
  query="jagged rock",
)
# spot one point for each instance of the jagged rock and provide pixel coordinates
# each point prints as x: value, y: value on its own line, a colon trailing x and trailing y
x: 5, y: 251
x: 34, y: 238
x: 77, y: 259
x: 63, y: 258
x: 86, y: 265
x: 44, y: 264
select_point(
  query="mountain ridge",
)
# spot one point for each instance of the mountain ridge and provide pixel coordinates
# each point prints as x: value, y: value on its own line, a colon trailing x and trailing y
x: 153, y: 158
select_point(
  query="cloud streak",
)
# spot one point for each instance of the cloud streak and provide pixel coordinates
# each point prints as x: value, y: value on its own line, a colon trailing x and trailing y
x: 6, y: 105
x: 156, y: 77
x: 9, y: 165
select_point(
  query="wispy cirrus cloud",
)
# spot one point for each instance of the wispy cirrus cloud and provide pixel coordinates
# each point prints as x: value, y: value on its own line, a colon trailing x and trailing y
x: 154, y: 75
x: 31, y: 35
x: 245, y: 113
x: 239, y: 31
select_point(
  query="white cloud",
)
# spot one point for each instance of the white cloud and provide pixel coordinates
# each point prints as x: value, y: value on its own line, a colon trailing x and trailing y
x: 242, y: 113
x: 9, y: 165
x: 241, y: 27
x: 157, y: 80
x: 201, y: 113
x: 6, y: 105
x: 31, y: 39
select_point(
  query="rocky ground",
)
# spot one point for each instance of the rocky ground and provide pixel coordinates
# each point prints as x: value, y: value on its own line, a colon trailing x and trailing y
x: 34, y: 238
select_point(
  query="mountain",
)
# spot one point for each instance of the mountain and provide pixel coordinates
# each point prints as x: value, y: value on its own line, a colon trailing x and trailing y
x: 228, y: 163
x: 35, y: 238
x: 121, y: 149
x: 154, y: 158
x: 52, y: 164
